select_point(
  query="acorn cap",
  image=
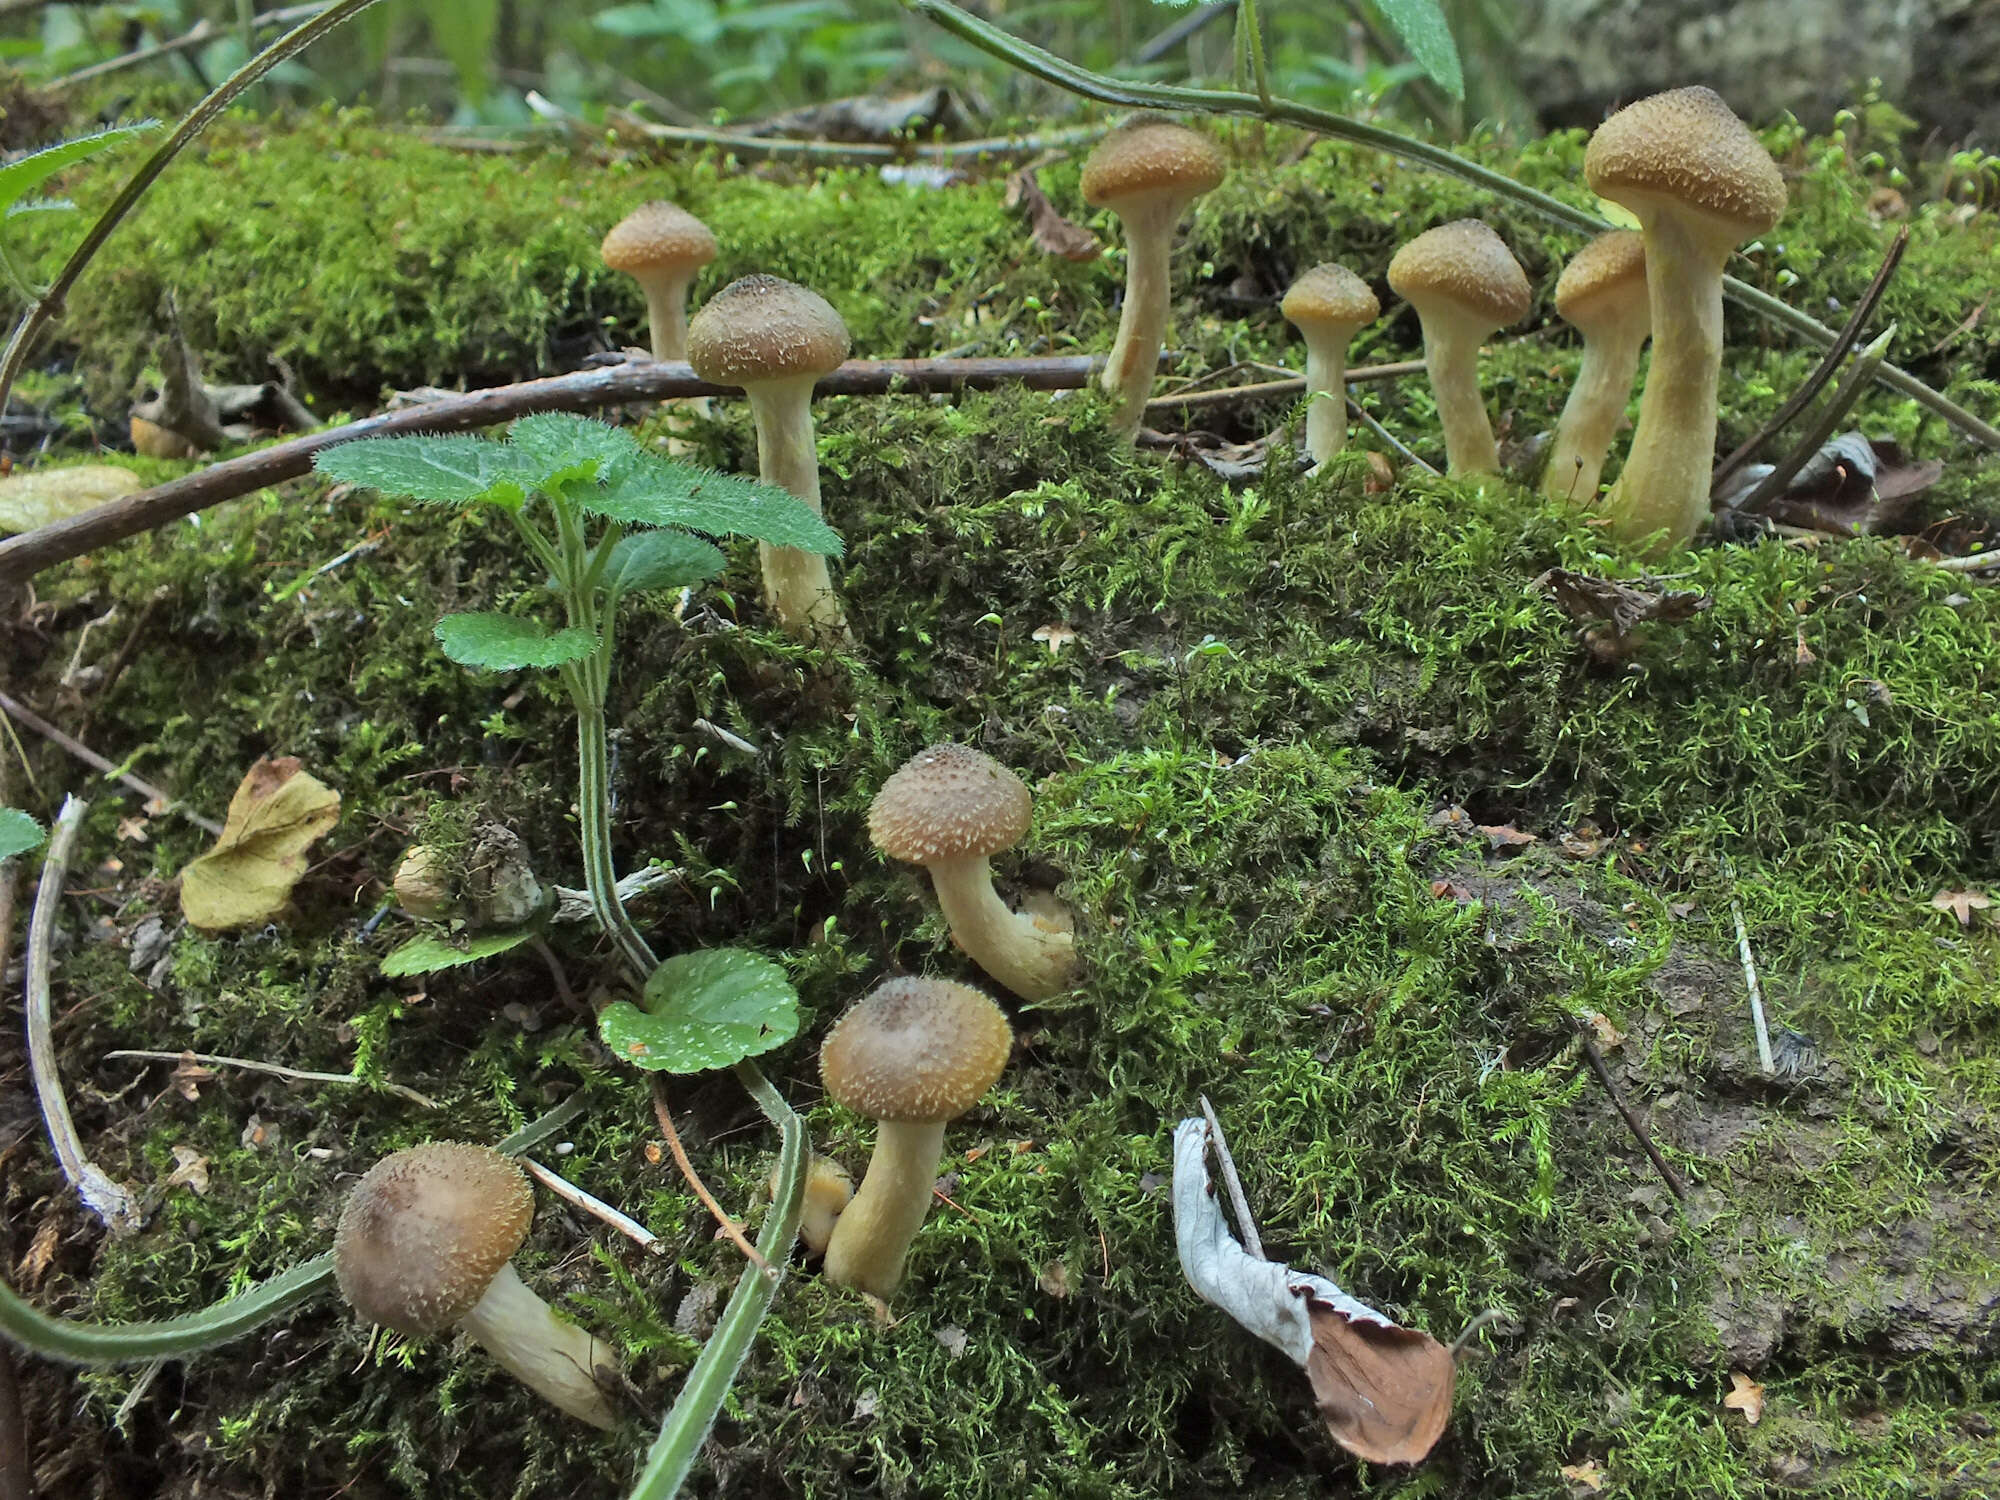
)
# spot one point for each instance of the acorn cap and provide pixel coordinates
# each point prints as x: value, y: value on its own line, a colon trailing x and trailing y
x: 658, y: 237
x: 1601, y: 277
x: 1465, y: 264
x: 1329, y: 296
x: 425, y: 1230
x: 1148, y: 156
x: 916, y: 1051
x: 949, y: 802
x: 1687, y: 146
x: 765, y: 328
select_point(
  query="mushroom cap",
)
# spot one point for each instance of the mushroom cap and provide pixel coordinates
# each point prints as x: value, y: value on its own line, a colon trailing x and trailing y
x: 765, y: 328
x: 949, y: 802
x: 1603, y: 278
x: 916, y: 1051
x: 1686, y: 146
x: 1148, y: 156
x: 1463, y: 264
x: 1329, y: 296
x: 658, y: 236
x: 425, y: 1230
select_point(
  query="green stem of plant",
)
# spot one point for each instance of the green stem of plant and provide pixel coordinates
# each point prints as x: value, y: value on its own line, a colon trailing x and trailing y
x: 1253, y: 40
x: 49, y: 304
x: 694, y: 1411
x: 81, y: 1343
x: 1086, y: 84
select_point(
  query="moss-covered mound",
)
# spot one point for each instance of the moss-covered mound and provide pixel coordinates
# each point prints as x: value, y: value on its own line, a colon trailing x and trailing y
x: 1285, y: 767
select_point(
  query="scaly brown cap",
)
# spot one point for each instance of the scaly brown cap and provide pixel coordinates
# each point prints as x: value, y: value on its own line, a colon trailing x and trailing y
x: 1147, y: 157
x: 1603, y: 278
x: 765, y: 328
x: 424, y: 1232
x: 917, y: 1051
x: 1686, y: 146
x: 1465, y: 264
x: 658, y: 237
x: 1329, y: 296
x: 949, y: 802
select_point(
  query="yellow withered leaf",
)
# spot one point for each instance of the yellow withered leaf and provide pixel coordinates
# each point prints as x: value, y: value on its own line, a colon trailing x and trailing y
x: 248, y: 876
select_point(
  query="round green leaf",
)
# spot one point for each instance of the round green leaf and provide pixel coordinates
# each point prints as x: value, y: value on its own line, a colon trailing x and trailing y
x: 704, y: 1010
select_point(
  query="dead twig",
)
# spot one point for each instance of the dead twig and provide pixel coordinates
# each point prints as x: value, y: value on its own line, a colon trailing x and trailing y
x: 1270, y: 390
x: 275, y: 1070
x: 15, y: 1470
x: 199, y: 35
x: 1632, y: 1122
x: 632, y: 380
x: 597, y: 1208
x: 1750, y: 980
x: 1972, y: 562
x: 1246, y: 1226
x: 1815, y: 382
x: 729, y: 1225
x: 1852, y: 384
x: 109, y: 1200
x: 16, y: 710
x: 1408, y: 456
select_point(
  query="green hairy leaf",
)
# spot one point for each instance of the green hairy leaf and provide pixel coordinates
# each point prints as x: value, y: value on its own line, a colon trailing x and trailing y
x: 1424, y: 30
x: 19, y: 178
x: 18, y: 832
x: 704, y: 1010
x: 438, y: 470
x: 648, y: 491
x: 427, y: 953
x: 562, y: 448
x: 504, y: 643
x: 661, y: 560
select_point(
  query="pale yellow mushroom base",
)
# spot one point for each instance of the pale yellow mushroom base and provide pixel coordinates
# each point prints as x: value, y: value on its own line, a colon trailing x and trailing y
x: 1591, y: 416
x: 1451, y: 357
x: 1326, y: 397
x: 1031, y: 955
x: 797, y: 585
x: 1142, y: 323
x: 549, y: 1354
x: 871, y: 1238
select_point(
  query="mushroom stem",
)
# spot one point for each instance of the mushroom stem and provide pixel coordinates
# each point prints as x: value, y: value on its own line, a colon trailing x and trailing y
x: 1591, y: 415
x: 1451, y: 356
x: 543, y: 1351
x: 1030, y: 958
x: 872, y: 1235
x: 797, y: 585
x: 666, y: 313
x: 1326, y: 393
x: 1142, y: 323
x: 1664, y: 484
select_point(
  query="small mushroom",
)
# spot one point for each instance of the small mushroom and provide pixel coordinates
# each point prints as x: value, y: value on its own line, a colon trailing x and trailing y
x: 1464, y: 284
x: 1700, y: 184
x: 774, y: 338
x: 662, y: 247
x: 425, y: 1243
x: 949, y: 809
x: 1147, y: 174
x: 913, y: 1055
x: 829, y: 1189
x: 1328, y: 305
x: 1602, y: 294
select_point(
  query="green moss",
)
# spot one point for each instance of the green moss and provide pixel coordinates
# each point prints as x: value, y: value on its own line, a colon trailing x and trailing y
x: 1272, y: 692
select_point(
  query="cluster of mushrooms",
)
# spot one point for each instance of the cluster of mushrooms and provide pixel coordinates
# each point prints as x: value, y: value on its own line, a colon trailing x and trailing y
x: 426, y: 1238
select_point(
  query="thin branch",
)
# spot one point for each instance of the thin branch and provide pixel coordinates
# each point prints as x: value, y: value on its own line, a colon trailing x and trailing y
x: 1772, y: 485
x: 1632, y: 1122
x: 276, y: 1070
x: 636, y: 380
x: 1246, y: 1226
x: 1182, y: 31
x: 729, y: 1225
x: 1268, y: 390
x: 779, y: 148
x: 1046, y: 66
x: 1972, y: 562
x: 1354, y: 409
x: 199, y: 35
x: 597, y: 1208
x: 16, y: 710
x: 16, y: 1482
x: 1757, y: 1021
x: 1815, y: 382
x: 109, y: 1200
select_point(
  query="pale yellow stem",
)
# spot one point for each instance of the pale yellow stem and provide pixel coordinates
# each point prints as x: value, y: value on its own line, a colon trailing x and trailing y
x: 1033, y: 959
x: 871, y: 1238
x: 797, y: 585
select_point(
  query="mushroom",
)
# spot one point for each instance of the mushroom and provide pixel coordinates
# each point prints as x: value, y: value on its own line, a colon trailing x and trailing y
x: 425, y: 1243
x: 1147, y: 174
x: 829, y: 1189
x: 913, y: 1055
x: 1700, y: 185
x: 1602, y: 293
x: 1328, y: 305
x: 662, y: 247
x: 949, y: 808
x: 1464, y: 284
x: 775, y: 339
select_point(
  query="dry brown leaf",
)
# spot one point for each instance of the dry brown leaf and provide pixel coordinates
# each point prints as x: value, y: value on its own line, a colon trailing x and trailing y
x: 1055, y: 637
x: 41, y: 1255
x: 1585, y: 841
x: 1962, y: 904
x: 1607, y: 1035
x: 1384, y: 1392
x: 1053, y: 234
x: 247, y: 878
x: 1747, y: 1397
x: 190, y: 1170
x: 1588, y: 1476
x: 1506, y: 836
x: 1623, y: 605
